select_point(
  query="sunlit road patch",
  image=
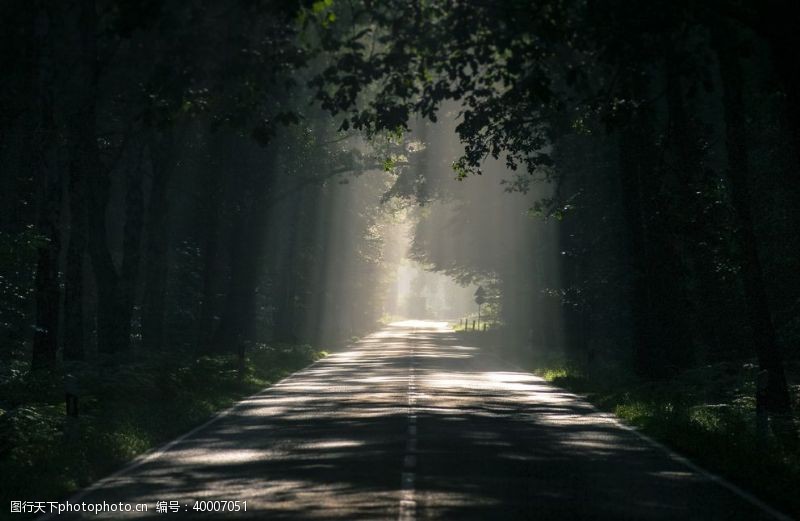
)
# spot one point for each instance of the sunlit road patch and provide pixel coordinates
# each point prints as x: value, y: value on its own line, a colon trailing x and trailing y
x: 410, y: 424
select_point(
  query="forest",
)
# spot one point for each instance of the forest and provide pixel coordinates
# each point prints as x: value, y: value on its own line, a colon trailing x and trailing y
x: 198, y: 198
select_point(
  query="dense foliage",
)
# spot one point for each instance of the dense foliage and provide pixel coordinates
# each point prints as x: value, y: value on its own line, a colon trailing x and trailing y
x: 644, y: 119
x: 198, y: 179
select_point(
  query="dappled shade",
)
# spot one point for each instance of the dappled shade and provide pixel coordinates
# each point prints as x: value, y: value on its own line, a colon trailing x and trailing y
x: 494, y: 442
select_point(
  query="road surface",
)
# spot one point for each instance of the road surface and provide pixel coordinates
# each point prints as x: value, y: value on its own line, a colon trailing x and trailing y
x: 411, y: 424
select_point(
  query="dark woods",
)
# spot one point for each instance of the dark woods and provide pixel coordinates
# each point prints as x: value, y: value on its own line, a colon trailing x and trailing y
x: 149, y: 163
x: 173, y: 177
x: 669, y: 132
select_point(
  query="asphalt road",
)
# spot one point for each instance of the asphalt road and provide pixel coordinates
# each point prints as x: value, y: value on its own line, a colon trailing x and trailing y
x: 409, y: 424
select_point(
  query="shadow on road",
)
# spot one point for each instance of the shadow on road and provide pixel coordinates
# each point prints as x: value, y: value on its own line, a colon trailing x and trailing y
x: 493, y: 444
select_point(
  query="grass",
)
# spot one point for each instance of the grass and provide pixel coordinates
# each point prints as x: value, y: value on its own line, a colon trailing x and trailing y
x: 466, y: 327
x: 706, y: 413
x: 125, y: 409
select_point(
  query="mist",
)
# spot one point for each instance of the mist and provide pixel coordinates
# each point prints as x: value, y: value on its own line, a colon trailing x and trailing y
x: 367, y: 260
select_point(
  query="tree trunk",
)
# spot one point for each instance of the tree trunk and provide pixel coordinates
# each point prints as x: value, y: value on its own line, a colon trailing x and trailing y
x: 205, y: 327
x: 83, y: 170
x: 319, y: 284
x: 110, y: 310
x: 246, y: 246
x: 47, y: 174
x: 47, y: 290
x: 115, y: 288
x: 236, y: 323
x: 109, y: 339
x: 285, y: 285
x: 772, y: 395
x: 155, y: 278
x: 131, y: 251
x: 633, y: 146
x: 74, y: 348
x: 687, y: 178
x: 209, y: 213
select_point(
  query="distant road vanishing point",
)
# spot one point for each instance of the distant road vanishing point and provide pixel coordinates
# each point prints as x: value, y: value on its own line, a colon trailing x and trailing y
x: 410, y: 424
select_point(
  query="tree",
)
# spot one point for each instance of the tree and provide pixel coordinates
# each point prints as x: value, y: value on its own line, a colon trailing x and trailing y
x: 612, y: 62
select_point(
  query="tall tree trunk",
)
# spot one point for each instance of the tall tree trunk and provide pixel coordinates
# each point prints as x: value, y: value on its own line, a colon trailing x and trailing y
x: 662, y: 341
x: 285, y: 285
x: 82, y: 170
x: 97, y: 185
x: 115, y: 288
x: 74, y: 339
x: 686, y: 220
x: 47, y: 173
x: 205, y: 327
x: 110, y: 333
x: 634, y: 144
x: 155, y: 277
x: 47, y: 290
x: 322, y: 240
x: 209, y: 215
x: 131, y: 251
x: 246, y: 246
x: 772, y: 395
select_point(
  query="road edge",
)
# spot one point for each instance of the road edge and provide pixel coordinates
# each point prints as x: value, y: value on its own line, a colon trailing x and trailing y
x: 160, y: 450
x: 683, y: 460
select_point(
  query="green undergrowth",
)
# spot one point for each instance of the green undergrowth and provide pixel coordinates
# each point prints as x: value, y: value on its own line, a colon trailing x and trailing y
x: 706, y: 414
x: 467, y: 332
x: 125, y: 409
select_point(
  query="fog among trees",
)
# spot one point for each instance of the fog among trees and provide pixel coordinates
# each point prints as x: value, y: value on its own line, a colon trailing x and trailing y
x: 198, y: 193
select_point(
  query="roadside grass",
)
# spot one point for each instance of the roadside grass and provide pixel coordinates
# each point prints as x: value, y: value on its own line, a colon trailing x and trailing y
x: 466, y: 327
x: 125, y: 409
x: 706, y: 414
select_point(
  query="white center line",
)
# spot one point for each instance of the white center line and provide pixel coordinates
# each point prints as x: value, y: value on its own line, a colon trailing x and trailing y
x: 408, y: 504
